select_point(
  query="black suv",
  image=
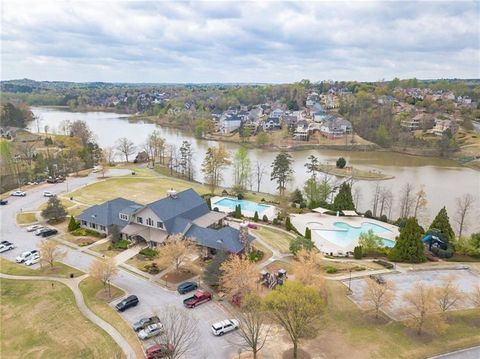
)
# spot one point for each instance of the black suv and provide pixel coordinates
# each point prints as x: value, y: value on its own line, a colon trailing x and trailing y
x: 48, y: 232
x: 187, y: 287
x: 130, y: 301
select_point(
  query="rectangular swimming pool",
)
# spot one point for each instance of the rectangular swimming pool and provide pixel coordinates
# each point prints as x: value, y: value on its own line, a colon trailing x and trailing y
x: 247, y: 206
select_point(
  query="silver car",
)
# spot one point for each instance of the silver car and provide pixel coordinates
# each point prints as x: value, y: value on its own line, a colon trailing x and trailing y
x: 151, y: 331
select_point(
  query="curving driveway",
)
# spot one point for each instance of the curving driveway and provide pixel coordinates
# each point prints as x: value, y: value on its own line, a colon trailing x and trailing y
x: 153, y: 298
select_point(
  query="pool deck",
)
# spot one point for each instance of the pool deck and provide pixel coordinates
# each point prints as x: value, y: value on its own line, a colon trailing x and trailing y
x: 325, y: 222
x: 270, y: 211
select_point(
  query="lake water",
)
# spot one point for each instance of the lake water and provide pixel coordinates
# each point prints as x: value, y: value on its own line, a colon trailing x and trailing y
x: 443, y: 180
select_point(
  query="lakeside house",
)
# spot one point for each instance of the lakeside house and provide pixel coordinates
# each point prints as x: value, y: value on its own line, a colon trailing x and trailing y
x: 185, y: 213
x: 335, y: 127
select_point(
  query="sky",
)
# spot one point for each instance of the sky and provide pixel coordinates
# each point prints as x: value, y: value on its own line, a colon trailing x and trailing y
x: 230, y: 41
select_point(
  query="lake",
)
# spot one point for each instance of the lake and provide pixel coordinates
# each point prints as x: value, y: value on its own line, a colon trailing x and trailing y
x: 443, y: 180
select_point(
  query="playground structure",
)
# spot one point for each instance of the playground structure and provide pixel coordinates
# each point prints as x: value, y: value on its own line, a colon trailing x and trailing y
x: 271, y: 280
x: 435, y: 238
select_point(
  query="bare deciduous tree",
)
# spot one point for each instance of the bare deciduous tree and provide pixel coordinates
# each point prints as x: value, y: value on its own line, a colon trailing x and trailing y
x: 50, y: 252
x: 80, y: 129
x: 176, y: 251
x: 254, y: 328
x: 406, y: 200
x: 420, y: 202
x: 125, y: 147
x: 307, y: 270
x: 386, y: 201
x: 464, y: 205
x: 109, y: 155
x: 376, y: 197
x: 420, y: 309
x: 260, y: 171
x: 180, y: 332
x: 104, y: 271
x: 448, y: 295
x: 378, y: 296
x: 26, y: 151
x: 239, y: 276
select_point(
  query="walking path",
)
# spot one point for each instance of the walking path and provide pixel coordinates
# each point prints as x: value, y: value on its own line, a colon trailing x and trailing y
x: 73, y: 285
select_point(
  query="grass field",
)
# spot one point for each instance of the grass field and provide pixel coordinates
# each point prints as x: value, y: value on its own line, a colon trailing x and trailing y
x: 92, y: 291
x: 59, y: 270
x: 26, y: 218
x: 102, y: 248
x: 346, y: 329
x: 65, y: 202
x: 277, y: 239
x: 39, y: 321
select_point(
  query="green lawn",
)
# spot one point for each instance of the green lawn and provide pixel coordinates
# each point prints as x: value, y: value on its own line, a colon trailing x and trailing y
x: 65, y: 202
x: 346, y: 329
x: 26, y: 218
x: 277, y: 239
x: 103, y: 248
x: 59, y: 270
x: 95, y: 298
x: 41, y: 321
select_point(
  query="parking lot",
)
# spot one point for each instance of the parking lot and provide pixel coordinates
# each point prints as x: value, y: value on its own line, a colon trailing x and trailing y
x: 405, y: 282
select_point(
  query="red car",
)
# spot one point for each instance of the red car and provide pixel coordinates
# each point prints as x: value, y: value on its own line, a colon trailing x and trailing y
x: 252, y: 226
x: 159, y: 351
x: 198, y: 298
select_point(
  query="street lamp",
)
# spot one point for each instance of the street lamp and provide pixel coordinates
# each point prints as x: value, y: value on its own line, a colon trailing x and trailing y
x: 350, y: 282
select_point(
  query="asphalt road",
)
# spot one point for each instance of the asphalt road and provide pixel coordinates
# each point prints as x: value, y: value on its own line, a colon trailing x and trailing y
x: 153, y: 298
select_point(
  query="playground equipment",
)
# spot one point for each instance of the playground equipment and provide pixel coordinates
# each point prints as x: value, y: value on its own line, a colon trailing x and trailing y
x: 271, y: 280
x: 435, y: 238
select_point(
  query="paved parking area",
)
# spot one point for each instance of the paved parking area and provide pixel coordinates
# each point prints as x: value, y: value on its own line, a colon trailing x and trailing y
x: 405, y: 282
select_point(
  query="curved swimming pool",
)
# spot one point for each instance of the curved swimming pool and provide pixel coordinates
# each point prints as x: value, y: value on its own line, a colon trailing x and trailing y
x: 344, y: 234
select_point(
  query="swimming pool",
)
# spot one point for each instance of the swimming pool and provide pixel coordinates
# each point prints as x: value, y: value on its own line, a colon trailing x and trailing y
x: 345, y: 234
x: 247, y: 206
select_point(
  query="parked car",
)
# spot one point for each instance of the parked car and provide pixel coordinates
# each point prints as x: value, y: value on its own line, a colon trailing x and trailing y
x: 25, y: 255
x: 225, y: 326
x: 186, y: 287
x: 48, y: 194
x: 19, y: 194
x: 52, y: 180
x: 3, y: 202
x: 40, y: 230
x: 33, y: 259
x: 158, y: 351
x: 151, y: 331
x: 377, y: 278
x: 145, y: 322
x: 48, y: 232
x: 6, y: 246
x: 34, y: 227
x: 198, y: 298
x: 252, y: 226
x: 130, y: 301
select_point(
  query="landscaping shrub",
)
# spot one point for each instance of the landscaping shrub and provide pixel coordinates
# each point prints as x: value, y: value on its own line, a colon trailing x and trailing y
x: 73, y: 224
x: 288, y: 224
x: 331, y: 270
x: 150, y: 253
x: 276, y: 221
x: 85, y: 232
x: 341, y: 163
x: 358, y: 268
x: 240, y: 196
x: 255, y: 217
x: 256, y: 255
x: 442, y: 253
x: 308, y: 233
x: 368, y: 214
x: 301, y: 243
x: 303, y: 205
x: 386, y: 264
x: 216, y: 209
x: 358, y: 252
x: 121, y: 244
x: 224, y: 193
x: 265, y: 218
x: 384, y: 218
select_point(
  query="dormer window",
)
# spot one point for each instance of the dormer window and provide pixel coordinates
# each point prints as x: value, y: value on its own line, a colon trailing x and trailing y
x: 123, y: 216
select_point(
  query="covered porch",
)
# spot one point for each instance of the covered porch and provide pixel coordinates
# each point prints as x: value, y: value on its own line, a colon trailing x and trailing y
x: 136, y: 232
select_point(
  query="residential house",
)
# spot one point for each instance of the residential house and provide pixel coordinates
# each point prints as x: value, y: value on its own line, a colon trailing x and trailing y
x: 335, y: 127
x: 184, y: 213
x: 271, y: 124
x: 302, y: 130
x: 229, y: 123
x: 441, y: 127
x: 103, y: 217
x: 413, y: 123
x: 277, y: 113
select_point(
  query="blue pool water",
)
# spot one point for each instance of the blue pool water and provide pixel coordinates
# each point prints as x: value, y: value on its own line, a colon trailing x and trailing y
x: 344, y: 234
x: 244, y: 205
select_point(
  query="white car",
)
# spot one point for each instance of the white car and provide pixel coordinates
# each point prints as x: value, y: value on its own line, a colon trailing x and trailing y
x: 32, y: 260
x: 6, y: 246
x: 151, y: 331
x: 225, y: 326
x: 34, y: 228
x: 48, y: 194
x: 25, y: 255
x: 19, y: 194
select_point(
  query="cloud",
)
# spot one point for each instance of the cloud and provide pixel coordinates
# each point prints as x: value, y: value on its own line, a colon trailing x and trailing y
x: 230, y: 41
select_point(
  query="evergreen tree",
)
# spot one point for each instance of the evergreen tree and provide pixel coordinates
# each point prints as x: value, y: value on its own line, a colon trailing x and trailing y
x: 344, y: 200
x: 265, y: 218
x: 308, y: 233
x: 409, y: 246
x: 255, y: 217
x: 73, y: 224
x: 301, y: 243
x: 209, y: 203
x: 341, y: 163
x: 282, y: 170
x: 442, y: 224
x: 54, y: 210
x: 212, y: 272
x: 288, y: 224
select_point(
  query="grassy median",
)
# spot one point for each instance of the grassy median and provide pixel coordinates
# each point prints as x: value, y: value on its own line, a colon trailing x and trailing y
x: 26, y: 218
x: 59, y: 269
x: 42, y: 321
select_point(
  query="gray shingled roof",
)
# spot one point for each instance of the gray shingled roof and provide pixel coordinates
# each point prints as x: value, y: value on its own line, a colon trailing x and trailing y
x: 107, y: 213
x: 226, y: 238
x: 187, y: 204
